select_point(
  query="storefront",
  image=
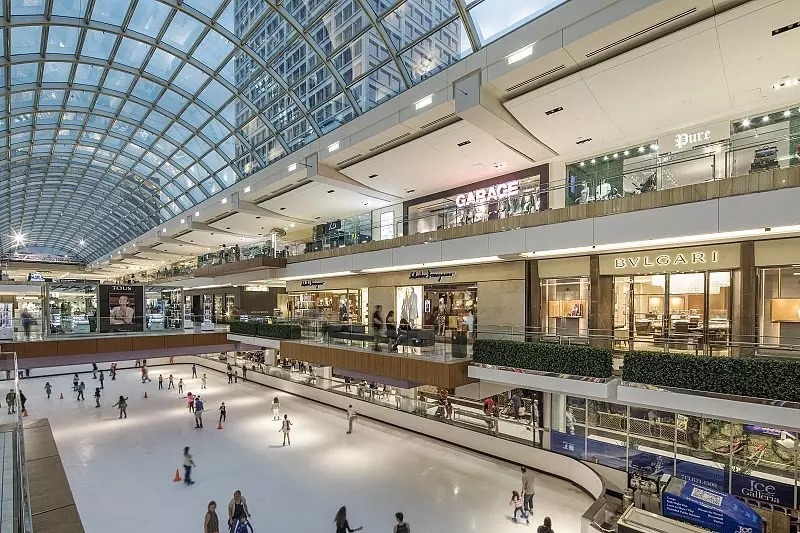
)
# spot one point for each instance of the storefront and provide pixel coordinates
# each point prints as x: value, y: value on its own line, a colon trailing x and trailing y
x: 678, y: 298
x: 518, y: 193
x: 766, y: 141
x: 564, y: 288
x: 164, y: 307
x: 346, y: 305
x: 223, y: 304
x: 778, y: 264
x: 73, y: 306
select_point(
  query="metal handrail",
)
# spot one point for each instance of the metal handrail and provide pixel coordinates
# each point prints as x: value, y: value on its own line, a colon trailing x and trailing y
x: 23, y: 519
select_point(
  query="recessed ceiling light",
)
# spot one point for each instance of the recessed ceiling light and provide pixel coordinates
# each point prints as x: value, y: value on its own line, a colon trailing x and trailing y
x: 371, y: 176
x: 787, y: 113
x: 292, y: 225
x: 605, y: 158
x: 520, y: 54
x: 331, y: 191
x: 745, y: 123
x: 333, y: 147
x: 224, y: 200
x: 616, y: 156
x: 765, y: 118
x: 163, y: 230
x: 292, y: 167
x: 82, y: 242
x: 183, y: 221
x: 197, y: 213
x: 641, y: 149
x: 282, y: 209
x: 627, y: 152
x: 593, y: 161
x: 654, y: 147
x: 247, y: 189
x: 583, y: 163
x: 425, y: 102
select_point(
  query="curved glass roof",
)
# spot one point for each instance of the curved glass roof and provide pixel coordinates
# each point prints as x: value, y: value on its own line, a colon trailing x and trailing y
x: 120, y: 114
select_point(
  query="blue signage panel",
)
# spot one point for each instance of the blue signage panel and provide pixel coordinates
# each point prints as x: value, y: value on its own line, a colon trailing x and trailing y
x: 762, y: 489
x: 564, y: 443
x: 710, y: 509
x: 606, y: 454
x: 703, y: 475
x: 642, y: 462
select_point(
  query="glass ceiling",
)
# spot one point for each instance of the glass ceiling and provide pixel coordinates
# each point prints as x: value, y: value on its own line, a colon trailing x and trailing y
x: 121, y: 114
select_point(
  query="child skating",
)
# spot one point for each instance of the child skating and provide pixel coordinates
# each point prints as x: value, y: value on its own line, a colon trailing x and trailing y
x: 75, y: 382
x: 122, y: 404
x: 518, y: 503
x: 286, y: 427
x: 102, y: 378
x: 180, y: 386
x: 171, y: 384
x: 97, y: 397
x: 203, y: 382
x: 190, y: 402
x: 48, y: 389
x: 276, y: 408
x: 222, y: 413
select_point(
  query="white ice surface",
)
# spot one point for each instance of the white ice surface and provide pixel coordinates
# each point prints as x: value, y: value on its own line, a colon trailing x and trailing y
x: 121, y: 471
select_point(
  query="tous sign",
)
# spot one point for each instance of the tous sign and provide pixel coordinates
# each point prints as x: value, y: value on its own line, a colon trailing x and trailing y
x: 686, y: 139
x: 489, y: 194
x: 688, y: 258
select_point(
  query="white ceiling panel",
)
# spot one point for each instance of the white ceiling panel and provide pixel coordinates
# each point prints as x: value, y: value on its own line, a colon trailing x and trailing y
x: 213, y: 240
x: 313, y: 202
x: 247, y: 223
x: 435, y: 162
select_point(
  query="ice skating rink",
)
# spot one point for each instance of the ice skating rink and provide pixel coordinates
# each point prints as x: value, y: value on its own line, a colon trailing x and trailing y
x: 121, y: 471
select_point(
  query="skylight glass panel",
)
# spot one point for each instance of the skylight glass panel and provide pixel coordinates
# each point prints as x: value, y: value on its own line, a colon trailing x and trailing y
x: 495, y: 18
x: 436, y: 52
x: 178, y: 133
x: 197, y: 194
x: 215, y: 131
x: 156, y: 121
x: 96, y: 121
x: 27, y: 7
x: 146, y: 90
x: 98, y: 44
x: 70, y: 8
x: 381, y: 6
x: 88, y: 74
x: 172, y: 102
x: 107, y: 103
x: 24, y: 73
x: 162, y: 64
x: 80, y: 98
x: 133, y: 111
x: 56, y: 72
x: 131, y: 52
x: 195, y: 116
x: 211, y: 186
x: 226, y: 19
x: 48, y: 117
x: 215, y: 95
x: 22, y: 99
x: 110, y: 11
x: 214, y: 162
x: 149, y: 17
x: 62, y: 40
x: 183, y: 32
x: 190, y: 78
x: 424, y: 20
x: 117, y: 80
x: 26, y: 40
x: 213, y: 49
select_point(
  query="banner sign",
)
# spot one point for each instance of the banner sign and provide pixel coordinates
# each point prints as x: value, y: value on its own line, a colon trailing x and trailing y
x: 566, y: 444
x: 710, y: 509
x: 703, y: 475
x: 762, y: 489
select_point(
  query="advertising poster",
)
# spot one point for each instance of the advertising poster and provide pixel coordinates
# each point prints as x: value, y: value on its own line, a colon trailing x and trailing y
x: 606, y: 453
x: 564, y: 443
x: 703, y: 475
x: 121, y: 308
x: 710, y: 509
x: 762, y: 489
x: 647, y: 463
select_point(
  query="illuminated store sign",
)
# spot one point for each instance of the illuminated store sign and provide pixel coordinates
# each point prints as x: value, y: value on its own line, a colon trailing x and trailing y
x: 488, y: 194
x: 431, y: 274
x: 688, y: 139
x: 682, y: 258
x: 312, y: 283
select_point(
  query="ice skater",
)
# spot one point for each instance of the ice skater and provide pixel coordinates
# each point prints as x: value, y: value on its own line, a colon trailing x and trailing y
x: 81, y: 388
x: 190, y: 401
x: 230, y: 374
x: 203, y: 382
x: 351, y: 417
x: 171, y: 382
x: 113, y: 371
x: 94, y: 370
x: 222, y: 413
x: 342, y: 526
x: 145, y: 375
x: 236, y: 375
x: 242, y: 526
x: 188, y: 464
x: 102, y: 379
x: 237, y: 510
x: 11, y: 401
x: 286, y: 427
x: 401, y: 526
x: 137, y: 364
x: 97, y: 397
x: 160, y: 382
x: 75, y: 382
x: 211, y: 521
x: 22, y: 400
x: 546, y: 527
x: 276, y: 409
x: 244, y: 372
x: 519, y: 507
x: 194, y: 371
x: 48, y: 389
x: 122, y: 404
x: 180, y: 385
x: 198, y: 413
x: 527, y: 488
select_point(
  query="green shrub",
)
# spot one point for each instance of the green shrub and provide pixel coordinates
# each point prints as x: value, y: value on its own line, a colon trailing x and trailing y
x: 587, y: 361
x: 776, y: 379
x: 262, y: 329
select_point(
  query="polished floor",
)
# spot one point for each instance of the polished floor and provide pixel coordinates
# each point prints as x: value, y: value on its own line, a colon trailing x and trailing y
x: 121, y: 471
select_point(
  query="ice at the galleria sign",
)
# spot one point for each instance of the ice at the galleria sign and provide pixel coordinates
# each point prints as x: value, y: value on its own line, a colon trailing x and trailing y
x: 488, y: 194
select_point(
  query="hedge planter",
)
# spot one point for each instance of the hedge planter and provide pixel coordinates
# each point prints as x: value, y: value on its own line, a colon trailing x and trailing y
x: 262, y: 329
x: 775, y: 379
x: 588, y: 361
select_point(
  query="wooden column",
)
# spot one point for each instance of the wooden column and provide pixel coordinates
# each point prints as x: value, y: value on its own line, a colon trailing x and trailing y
x: 533, y: 318
x: 744, y: 326
x: 601, y: 304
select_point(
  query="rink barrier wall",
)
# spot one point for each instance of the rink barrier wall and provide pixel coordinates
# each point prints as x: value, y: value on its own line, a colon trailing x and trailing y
x: 544, y: 461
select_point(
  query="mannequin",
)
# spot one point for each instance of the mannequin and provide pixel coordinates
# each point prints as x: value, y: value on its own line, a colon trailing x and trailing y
x: 413, y: 307
x: 344, y: 312
x: 441, y: 317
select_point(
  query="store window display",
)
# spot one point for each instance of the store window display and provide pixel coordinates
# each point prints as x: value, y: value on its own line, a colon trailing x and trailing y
x: 450, y: 308
x: 73, y: 308
x: 409, y: 302
x: 632, y: 170
x: 565, y: 306
x: 779, y: 306
x: 765, y: 142
x: 332, y: 306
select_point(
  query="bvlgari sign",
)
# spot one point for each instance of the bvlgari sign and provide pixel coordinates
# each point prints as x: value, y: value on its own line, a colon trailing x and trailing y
x: 672, y: 260
x: 488, y: 194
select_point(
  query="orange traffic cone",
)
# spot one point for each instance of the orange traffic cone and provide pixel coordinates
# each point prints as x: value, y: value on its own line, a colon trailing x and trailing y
x: 219, y: 426
x: 24, y: 412
x: 177, y: 475
x: 61, y: 397
x: 145, y: 395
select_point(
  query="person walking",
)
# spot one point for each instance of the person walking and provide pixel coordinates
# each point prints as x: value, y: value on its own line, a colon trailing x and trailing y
x: 188, y: 464
x: 198, y: 413
x: 81, y: 388
x: 230, y: 373
x: 11, y: 401
x: 160, y: 382
x: 180, y: 385
x: 516, y: 404
x: 236, y: 375
x: 203, y: 381
x: 244, y: 372
x: 102, y: 379
x: 94, y: 370
x: 48, y: 389
x: 377, y: 326
x: 286, y: 427
x: 75, y: 382
x: 145, y: 375
x: 351, y: 416
x: 527, y: 488
x: 137, y: 364
x: 546, y: 527
x: 401, y: 526
x: 22, y: 400
x: 342, y: 525
x: 222, y: 413
x: 97, y: 397
x: 113, y: 371
x: 194, y: 371
x: 237, y: 509
x: 122, y: 404
x: 211, y: 520
x: 170, y: 382
x: 276, y: 408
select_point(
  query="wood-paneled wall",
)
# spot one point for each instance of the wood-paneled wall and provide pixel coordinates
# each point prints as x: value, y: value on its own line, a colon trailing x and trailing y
x: 440, y: 374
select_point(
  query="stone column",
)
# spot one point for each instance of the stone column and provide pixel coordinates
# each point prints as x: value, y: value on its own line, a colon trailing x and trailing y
x: 744, y: 326
x: 601, y: 304
x: 533, y: 318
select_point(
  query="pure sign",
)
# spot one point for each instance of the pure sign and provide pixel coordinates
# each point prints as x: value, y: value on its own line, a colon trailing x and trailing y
x: 488, y: 194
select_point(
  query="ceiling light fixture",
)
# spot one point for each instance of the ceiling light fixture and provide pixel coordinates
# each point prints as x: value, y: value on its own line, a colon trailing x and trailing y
x: 292, y: 167
x: 641, y: 149
x: 247, y: 189
x: 82, y: 242
x: 333, y: 147
x: 520, y: 54
x: 745, y: 123
x: 765, y: 118
x: 787, y: 113
x: 583, y: 163
x: 163, y: 230
x: 183, y: 221
x: 626, y: 152
x: 224, y: 201
x: 593, y: 161
x: 654, y: 147
x: 425, y: 102
x: 197, y: 213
